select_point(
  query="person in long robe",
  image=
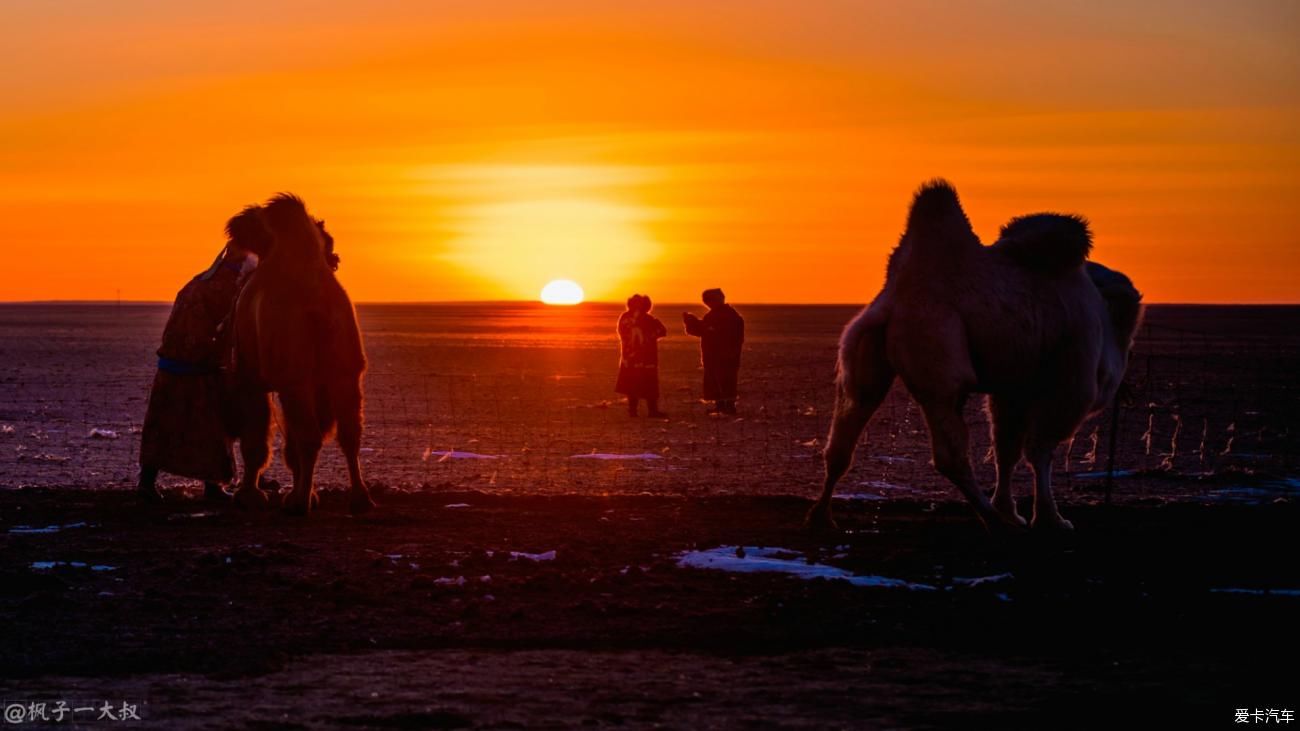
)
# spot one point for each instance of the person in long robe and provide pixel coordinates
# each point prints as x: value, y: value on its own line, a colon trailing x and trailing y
x: 638, y: 365
x: 722, y: 336
x: 188, y: 424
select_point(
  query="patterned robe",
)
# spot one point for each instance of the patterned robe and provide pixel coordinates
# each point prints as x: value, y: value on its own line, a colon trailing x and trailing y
x: 188, y: 425
x: 638, y: 364
x: 722, y: 335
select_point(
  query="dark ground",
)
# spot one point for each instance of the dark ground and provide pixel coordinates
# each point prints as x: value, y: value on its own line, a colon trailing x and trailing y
x: 215, y: 619
x: 220, y: 620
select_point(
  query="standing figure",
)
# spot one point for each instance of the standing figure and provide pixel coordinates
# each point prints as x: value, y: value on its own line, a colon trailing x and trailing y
x: 722, y: 335
x: 638, y: 365
x: 187, y: 424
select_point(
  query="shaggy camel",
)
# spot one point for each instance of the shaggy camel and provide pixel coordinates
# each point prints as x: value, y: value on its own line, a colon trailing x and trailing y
x: 296, y: 335
x: 1026, y: 321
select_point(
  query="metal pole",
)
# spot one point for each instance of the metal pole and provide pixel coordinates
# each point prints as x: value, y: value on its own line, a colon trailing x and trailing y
x: 1110, y: 446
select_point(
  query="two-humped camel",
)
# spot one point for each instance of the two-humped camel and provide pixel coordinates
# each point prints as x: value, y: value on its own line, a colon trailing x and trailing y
x: 1027, y: 321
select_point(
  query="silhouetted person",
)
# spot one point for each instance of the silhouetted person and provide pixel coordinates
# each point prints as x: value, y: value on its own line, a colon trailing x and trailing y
x: 638, y: 364
x: 187, y: 425
x: 722, y: 334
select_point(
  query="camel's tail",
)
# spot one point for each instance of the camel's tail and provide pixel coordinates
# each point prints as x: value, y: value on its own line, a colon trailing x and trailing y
x: 1123, y: 301
x: 1046, y: 242
x: 852, y: 369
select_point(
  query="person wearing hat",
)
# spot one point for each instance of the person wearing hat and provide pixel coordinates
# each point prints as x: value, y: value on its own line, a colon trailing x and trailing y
x: 638, y: 364
x: 722, y: 335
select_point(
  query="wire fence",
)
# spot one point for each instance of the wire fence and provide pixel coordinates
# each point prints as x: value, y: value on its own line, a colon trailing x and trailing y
x: 1200, y: 415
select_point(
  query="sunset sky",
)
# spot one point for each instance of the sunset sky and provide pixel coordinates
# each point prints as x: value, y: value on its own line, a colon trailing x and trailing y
x: 476, y: 150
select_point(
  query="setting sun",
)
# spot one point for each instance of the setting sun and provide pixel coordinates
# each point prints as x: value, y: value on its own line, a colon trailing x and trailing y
x: 562, y: 292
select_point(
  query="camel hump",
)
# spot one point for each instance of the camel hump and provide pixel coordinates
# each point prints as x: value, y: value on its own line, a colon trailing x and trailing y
x: 936, y: 222
x: 934, y: 200
x: 1046, y: 242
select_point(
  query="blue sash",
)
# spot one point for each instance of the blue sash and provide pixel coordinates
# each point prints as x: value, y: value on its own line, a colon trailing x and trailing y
x: 182, y: 368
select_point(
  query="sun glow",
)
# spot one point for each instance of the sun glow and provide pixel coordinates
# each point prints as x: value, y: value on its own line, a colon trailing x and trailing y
x: 513, y: 225
x: 475, y: 151
x: 562, y: 292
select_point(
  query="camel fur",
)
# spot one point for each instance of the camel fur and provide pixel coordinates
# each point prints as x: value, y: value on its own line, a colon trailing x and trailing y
x: 1027, y: 321
x: 296, y: 335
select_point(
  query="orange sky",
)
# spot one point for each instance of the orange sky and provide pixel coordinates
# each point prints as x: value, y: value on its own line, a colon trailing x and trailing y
x: 475, y: 150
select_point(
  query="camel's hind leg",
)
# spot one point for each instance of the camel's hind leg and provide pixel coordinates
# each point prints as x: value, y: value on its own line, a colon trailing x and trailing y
x: 1008, y: 420
x: 850, y: 421
x: 303, y: 439
x: 1049, y: 424
x: 1046, y: 513
x: 1039, y: 445
x: 292, y: 462
x: 855, y: 402
x: 347, y: 405
x: 950, y: 443
x: 254, y: 445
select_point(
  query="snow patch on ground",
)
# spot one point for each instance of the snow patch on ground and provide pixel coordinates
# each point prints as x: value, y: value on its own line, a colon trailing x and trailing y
x: 885, y: 485
x: 891, y: 460
x: 30, y: 530
x: 1266, y: 491
x: 546, y: 556
x: 457, y: 505
x: 447, y: 456
x: 191, y: 516
x: 982, y: 580
x: 101, y: 433
x: 886, y: 491
x: 42, y: 457
x: 1256, y: 592
x: 47, y: 565
x: 755, y: 559
x: 1101, y: 475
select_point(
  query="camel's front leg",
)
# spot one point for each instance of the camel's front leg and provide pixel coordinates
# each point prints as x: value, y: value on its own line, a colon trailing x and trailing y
x: 348, y: 409
x: 254, y: 445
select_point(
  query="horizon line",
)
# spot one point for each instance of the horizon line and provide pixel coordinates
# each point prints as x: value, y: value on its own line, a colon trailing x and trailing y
x: 591, y: 302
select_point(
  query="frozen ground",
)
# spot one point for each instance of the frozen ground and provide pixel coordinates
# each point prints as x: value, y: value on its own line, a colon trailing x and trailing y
x: 466, y: 609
